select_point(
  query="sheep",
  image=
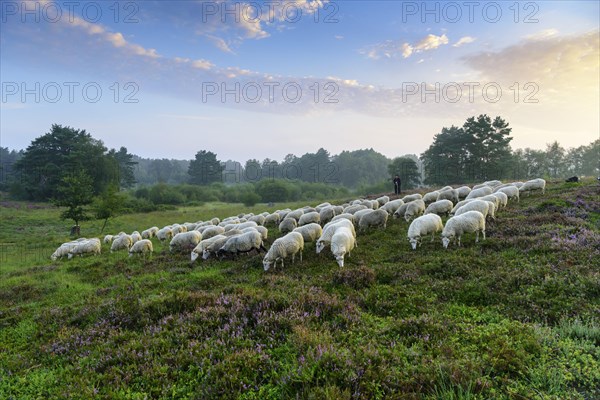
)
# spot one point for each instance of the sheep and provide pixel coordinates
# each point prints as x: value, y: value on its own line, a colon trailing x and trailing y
x: 481, y: 185
x: 264, y: 232
x: 296, y: 214
x: 371, y: 204
x: 272, y: 219
x: 445, y: 188
x: 414, y: 209
x: 354, y: 208
x: 440, y: 207
x: 135, y: 237
x: 459, y: 205
x: 349, y: 217
x: 342, y: 242
x: 121, y: 242
x: 431, y: 197
x: 189, y: 226
x: 259, y: 219
x: 451, y: 195
x: 412, y: 197
x: 176, y: 228
x: 329, y: 230
x: 185, y: 241
x: 244, y: 243
x: 338, y: 210
x: 326, y: 214
x: 287, y: 225
x: 164, y: 234
x: 534, y: 184
x: 479, y: 192
x: 375, y: 218
x: 493, y: 183
x: 502, y: 198
x: 383, y: 200
x: 483, y: 206
x: 215, y: 221
x: 463, y: 192
x: 211, y: 231
x: 63, y: 250
x: 283, y: 213
x: 517, y: 184
x: 359, y: 214
x: 310, y: 232
x: 288, y: 245
x: 399, y: 213
x: 512, y: 192
x: 472, y: 221
x: 309, y: 218
x: 143, y: 247
x: 309, y: 209
x: 493, y: 199
x: 422, y: 226
x: 322, y: 206
x: 204, y: 243
x: 108, y: 239
x: 149, y: 233
x: 215, y: 246
x: 392, y: 206
x: 240, y: 226
x: 92, y: 246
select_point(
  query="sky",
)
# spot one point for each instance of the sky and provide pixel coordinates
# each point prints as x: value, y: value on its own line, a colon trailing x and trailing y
x: 264, y: 79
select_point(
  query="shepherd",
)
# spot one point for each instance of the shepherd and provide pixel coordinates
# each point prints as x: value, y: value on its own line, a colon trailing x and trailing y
x: 397, y: 184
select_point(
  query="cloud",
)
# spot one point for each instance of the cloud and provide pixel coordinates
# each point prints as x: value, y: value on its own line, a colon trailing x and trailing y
x: 542, y: 35
x: 431, y: 42
x: 338, y: 37
x: 220, y: 44
x: 395, y: 49
x: 464, y: 40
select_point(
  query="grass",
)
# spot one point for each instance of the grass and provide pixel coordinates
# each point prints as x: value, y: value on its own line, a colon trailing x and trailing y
x: 514, y: 317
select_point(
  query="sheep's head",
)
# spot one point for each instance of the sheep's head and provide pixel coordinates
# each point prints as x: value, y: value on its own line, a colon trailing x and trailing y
x: 407, y: 217
x: 320, y: 246
x: 446, y: 240
x: 130, y: 254
x: 266, y: 265
x: 205, y: 254
x: 194, y: 256
x: 54, y: 257
x: 414, y: 241
x: 70, y: 255
x: 340, y: 260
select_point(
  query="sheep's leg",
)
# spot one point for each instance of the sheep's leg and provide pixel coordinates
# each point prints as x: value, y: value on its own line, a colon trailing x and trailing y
x: 300, y: 255
x: 476, y: 236
x: 293, y: 257
x: 483, y: 232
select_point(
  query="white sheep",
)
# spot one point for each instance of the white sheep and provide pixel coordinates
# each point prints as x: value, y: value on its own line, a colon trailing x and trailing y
x: 445, y: 188
x: 440, y: 207
x: 322, y: 206
x: 214, y: 246
x: 176, y: 228
x: 121, y: 242
x: 412, y: 197
x: 354, y: 208
x: 259, y: 219
x: 431, y: 197
x: 349, y: 217
x: 483, y: 206
x: 149, y: 233
x: 512, y: 192
x: 359, y: 214
x: 264, y: 232
x: 63, y: 250
x: 342, y: 243
x: 329, y: 230
x: 472, y: 221
x: 463, y: 191
x: 143, y: 247
x: 392, y: 206
x: 491, y: 198
x: 91, y: 246
x: 190, y: 226
x: 287, y: 225
x: 423, y: 226
x: 185, y: 241
x: 164, y: 234
x: 414, y: 209
x: 481, y: 185
x: 479, y: 192
x: 374, y: 218
x: 240, y: 226
x: 326, y: 214
x: 517, y: 184
x: 204, y: 243
x: 309, y: 218
x: 502, y: 198
x: 399, y: 213
x: 272, y: 219
x: 135, y: 236
x: 534, y: 184
x: 450, y: 194
x: 310, y: 232
x: 244, y: 243
x: 288, y: 245
x: 296, y: 214
x: 338, y: 210
x: 108, y: 239
x: 212, y: 230
x: 383, y: 200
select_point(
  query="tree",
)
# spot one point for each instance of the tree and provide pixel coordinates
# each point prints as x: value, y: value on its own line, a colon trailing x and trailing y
x: 555, y: 157
x: 108, y: 205
x: 408, y: 171
x: 205, y: 168
x: 445, y: 161
x: 488, y: 147
x: 125, y: 166
x: 75, y: 191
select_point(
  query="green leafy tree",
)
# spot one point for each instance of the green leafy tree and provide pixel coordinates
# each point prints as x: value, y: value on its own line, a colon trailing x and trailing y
x: 126, y: 165
x: 75, y: 191
x: 555, y: 159
x: 408, y: 171
x: 205, y: 168
x: 488, y: 147
x: 109, y: 204
x: 445, y: 161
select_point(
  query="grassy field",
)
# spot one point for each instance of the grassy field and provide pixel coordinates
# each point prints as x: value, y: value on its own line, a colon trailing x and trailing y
x: 514, y: 317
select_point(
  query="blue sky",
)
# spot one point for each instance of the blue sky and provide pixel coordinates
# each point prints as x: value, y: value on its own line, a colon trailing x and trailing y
x: 264, y: 79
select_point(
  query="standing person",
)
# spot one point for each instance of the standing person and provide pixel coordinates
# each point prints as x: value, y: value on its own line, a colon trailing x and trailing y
x: 397, y: 185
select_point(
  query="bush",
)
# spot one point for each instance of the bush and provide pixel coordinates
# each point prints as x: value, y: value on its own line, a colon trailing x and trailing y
x: 249, y: 199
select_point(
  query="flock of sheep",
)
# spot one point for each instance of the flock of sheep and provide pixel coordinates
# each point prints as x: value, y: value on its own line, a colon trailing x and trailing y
x: 326, y: 225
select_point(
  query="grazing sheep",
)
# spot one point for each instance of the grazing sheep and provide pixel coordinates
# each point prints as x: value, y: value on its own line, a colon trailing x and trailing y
x: 399, y: 213
x: 310, y: 232
x: 322, y: 206
x: 493, y: 183
x: 326, y: 214
x: 288, y: 245
x: 445, y: 188
x: 460, y: 204
x: 244, y: 243
x: 359, y: 214
x: 136, y: 237
x: 534, y: 184
x: 372, y: 204
x: 143, y: 247
x: 212, y: 230
x: 451, y: 195
x: 287, y: 225
x: 431, y: 197
x: 185, y: 241
x: 329, y: 230
x: 493, y: 199
x: 463, y: 192
x: 412, y: 197
x: 479, y: 192
x: 215, y: 246
x: 440, y: 207
x: 392, y: 206
x: 375, y: 218
x: 121, y: 242
x: 149, y: 233
x: 108, y: 239
x: 481, y: 185
x: 309, y: 218
x: 517, y: 184
x: 63, y: 250
x: 414, y: 209
x: 483, y: 206
x: 354, y: 208
x: 204, y: 243
x: 259, y: 219
x: 309, y: 209
x: 342, y: 242
x: 383, y: 200
x: 176, y: 228
x: 164, y: 234
x: 283, y: 213
x: 422, y: 226
x: 472, y: 221
x: 296, y: 214
x: 189, y: 226
x: 272, y: 219
x: 502, y: 198
x: 264, y: 232
x: 512, y: 192
x: 91, y: 246
x: 338, y: 210
x: 349, y: 217
x: 240, y: 226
